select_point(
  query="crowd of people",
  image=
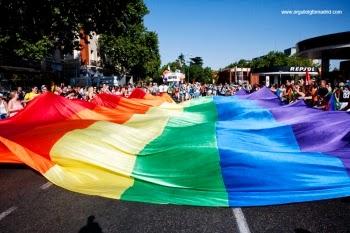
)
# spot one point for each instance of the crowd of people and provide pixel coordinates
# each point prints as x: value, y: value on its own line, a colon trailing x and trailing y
x: 316, y: 94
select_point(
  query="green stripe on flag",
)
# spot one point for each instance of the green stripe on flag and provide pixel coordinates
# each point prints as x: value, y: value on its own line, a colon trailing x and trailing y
x: 182, y: 165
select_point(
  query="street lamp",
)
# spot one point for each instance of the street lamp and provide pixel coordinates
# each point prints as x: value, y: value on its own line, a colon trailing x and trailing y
x: 188, y: 71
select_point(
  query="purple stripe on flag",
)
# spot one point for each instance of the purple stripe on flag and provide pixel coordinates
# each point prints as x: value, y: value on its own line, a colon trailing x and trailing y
x: 241, y: 92
x: 315, y: 130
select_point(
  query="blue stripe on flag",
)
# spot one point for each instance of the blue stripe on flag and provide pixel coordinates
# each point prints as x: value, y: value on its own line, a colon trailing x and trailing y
x: 261, y: 161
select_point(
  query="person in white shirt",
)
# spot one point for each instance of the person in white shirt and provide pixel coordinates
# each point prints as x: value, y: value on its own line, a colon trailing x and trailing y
x: 161, y: 88
x: 155, y: 89
x: 165, y: 88
x: 3, y: 108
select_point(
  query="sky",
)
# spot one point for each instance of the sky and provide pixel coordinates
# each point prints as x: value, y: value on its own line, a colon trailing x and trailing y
x: 224, y: 31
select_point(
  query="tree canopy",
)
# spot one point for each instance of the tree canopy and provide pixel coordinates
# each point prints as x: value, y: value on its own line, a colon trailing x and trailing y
x: 272, y: 59
x: 27, y: 25
x: 197, y: 61
x: 242, y: 63
x: 194, y: 71
x: 32, y: 29
x: 135, y: 53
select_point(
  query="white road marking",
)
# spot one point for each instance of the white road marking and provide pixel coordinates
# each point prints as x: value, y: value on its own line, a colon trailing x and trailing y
x: 240, y: 220
x: 7, y: 212
x: 45, y: 186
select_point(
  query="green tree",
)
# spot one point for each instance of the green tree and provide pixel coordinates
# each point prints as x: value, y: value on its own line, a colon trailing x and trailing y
x: 275, y: 59
x: 299, y: 61
x: 135, y: 53
x: 199, y: 73
x: 242, y: 63
x: 148, y: 61
x: 175, y: 65
x: 207, y: 75
x: 194, y: 71
x: 181, y: 61
x: 197, y: 61
x: 27, y: 24
x: 36, y: 51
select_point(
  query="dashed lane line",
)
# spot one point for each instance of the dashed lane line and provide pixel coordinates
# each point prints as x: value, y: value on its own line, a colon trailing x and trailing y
x: 13, y: 208
x: 7, y: 212
x: 45, y: 186
x: 240, y: 220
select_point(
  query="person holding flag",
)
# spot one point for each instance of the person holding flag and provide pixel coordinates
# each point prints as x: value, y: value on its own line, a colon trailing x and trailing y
x: 307, y: 77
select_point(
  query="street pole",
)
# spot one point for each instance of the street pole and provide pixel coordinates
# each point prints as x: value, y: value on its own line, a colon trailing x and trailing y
x: 189, y: 62
x: 280, y: 80
x: 188, y: 77
x: 235, y: 74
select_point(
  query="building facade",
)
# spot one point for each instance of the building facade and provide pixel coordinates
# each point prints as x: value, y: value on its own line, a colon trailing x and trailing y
x: 234, y: 75
x: 279, y: 75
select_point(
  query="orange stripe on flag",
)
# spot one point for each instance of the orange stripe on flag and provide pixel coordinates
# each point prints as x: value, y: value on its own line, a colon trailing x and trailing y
x: 35, y: 161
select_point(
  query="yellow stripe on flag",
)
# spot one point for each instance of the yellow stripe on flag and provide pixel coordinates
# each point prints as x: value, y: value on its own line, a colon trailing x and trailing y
x: 99, y: 159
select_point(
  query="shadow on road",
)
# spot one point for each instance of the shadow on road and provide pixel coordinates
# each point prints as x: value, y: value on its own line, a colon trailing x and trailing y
x: 345, y: 200
x: 17, y: 166
x: 300, y: 230
x: 91, y: 226
x: 13, y: 166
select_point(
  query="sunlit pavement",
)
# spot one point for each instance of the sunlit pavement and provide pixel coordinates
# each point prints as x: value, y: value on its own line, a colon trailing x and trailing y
x: 28, y: 203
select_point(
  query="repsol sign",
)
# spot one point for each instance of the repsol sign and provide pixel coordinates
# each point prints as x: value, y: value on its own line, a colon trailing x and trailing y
x: 301, y: 69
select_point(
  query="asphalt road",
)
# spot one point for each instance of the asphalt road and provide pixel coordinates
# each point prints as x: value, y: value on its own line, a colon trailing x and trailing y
x: 29, y: 204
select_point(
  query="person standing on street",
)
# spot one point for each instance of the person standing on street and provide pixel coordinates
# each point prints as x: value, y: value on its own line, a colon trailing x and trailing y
x: 31, y: 95
x: 3, y: 107
x: 14, y: 105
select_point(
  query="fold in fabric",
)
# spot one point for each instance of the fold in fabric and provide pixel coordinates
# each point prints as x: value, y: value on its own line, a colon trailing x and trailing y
x: 245, y: 150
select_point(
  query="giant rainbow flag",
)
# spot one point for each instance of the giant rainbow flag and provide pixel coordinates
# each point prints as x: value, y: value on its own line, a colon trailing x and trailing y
x: 245, y: 150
